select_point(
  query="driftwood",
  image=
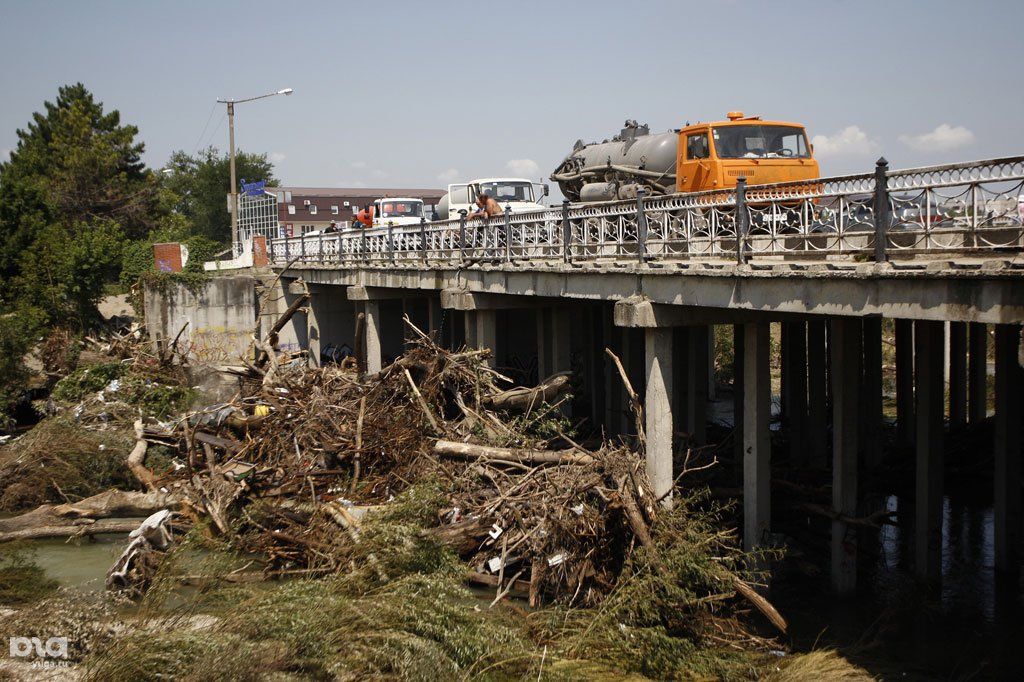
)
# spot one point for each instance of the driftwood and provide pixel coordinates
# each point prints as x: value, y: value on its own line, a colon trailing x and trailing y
x: 137, y: 459
x: 523, y: 399
x: 447, y: 448
x: 135, y: 568
x: 270, y: 342
x: 63, y: 520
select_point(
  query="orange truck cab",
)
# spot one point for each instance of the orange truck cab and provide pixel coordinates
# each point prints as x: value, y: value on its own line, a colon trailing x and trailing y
x: 715, y: 155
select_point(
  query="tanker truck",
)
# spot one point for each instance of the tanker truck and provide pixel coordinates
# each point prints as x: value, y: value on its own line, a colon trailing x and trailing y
x: 698, y: 157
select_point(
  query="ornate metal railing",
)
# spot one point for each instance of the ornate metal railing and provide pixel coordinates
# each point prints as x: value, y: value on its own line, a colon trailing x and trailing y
x: 952, y: 208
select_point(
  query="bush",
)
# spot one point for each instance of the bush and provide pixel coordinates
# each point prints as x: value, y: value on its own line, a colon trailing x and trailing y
x: 86, y: 380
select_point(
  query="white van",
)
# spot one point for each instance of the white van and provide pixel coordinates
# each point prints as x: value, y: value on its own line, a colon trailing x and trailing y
x: 515, y: 194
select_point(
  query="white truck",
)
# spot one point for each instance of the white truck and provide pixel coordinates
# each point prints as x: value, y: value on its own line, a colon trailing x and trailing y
x: 515, y: 194
x: 397, y: 211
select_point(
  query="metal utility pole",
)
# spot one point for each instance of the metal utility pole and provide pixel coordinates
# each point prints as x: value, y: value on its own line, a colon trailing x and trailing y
x: 235, y: 237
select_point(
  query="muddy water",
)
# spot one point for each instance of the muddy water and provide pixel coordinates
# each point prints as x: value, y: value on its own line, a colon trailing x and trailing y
x: 78, y: 565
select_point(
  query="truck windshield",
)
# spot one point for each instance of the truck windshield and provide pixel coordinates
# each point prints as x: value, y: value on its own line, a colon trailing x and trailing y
x: 761, y: 142
x: 507, y: 191
x: 401, y: 209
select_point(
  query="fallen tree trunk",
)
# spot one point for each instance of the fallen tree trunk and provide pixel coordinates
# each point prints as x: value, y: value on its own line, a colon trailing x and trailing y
x: 111, y: 504
x: 447, y: 448
x: 137, y: 459
x: 523, y: 399
x: 81, y: 528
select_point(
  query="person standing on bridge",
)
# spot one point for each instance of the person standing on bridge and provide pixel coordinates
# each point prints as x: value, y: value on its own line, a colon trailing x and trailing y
x: 486, y: 207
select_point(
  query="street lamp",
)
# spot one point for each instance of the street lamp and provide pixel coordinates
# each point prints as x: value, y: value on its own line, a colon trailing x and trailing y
x: 231, y: 143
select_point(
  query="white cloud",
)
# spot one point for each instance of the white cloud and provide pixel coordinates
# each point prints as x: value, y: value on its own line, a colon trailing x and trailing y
x: 358, y: 164
x: 277, y: 157
x: 449, y: 175
x: 526, y: 168
x: 850, y: 141
x: 943, y: 138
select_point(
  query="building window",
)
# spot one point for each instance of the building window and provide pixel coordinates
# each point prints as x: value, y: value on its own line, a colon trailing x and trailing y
x: 312, y: 209
x: 280, y: 197
x: 308, y: 228
x: 291, y: 209
x: 346, y: 204
x: 287, y: 197
x: 334, y: 210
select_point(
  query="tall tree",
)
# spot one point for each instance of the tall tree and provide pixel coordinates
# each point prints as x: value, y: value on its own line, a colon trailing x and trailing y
x: 74, y: 187
x: 201, y: 183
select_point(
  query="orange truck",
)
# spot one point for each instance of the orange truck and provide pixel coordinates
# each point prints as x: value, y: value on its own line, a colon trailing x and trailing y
x: 694, y: 158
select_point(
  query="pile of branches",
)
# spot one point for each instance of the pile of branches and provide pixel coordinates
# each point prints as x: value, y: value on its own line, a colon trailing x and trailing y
x: 289, y: 468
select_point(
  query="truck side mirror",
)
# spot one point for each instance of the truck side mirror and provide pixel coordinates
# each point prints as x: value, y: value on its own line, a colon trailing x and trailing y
x: 547, y: 189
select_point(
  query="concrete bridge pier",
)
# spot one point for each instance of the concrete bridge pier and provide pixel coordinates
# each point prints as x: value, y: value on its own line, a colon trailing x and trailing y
x: 929, y: 347
x: 846, y: 351
x: 658, y: 410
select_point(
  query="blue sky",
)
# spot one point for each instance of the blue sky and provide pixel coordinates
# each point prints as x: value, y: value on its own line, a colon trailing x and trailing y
x: 421, y: 93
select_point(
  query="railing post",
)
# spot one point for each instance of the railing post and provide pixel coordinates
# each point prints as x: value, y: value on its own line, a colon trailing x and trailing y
x: 362, y: 245
x: 882, y: 211
x: 423, y: 239
x: 742, y: 220
x: 462, y: 237
x: 320, y: 249
x: 287, y: 250
x: 391, y: 244
x: 508, y: 240
x: 302, y: 247
x: 641, y: 226
x: 566, y: 233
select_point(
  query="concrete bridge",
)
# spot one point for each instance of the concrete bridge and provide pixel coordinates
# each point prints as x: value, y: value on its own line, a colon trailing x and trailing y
x: 938, y: 250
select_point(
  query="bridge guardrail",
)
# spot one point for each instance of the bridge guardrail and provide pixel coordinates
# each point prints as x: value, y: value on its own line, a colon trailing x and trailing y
x: 957, y: 207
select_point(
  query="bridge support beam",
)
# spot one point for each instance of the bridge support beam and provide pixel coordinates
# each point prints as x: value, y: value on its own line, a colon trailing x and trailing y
x: 371, y: 328
x: 817, y: 392
x: 871, y: 415
x: 957, y: 374
x: 846, y: 384
x: 757, y: 402
x: 904, y: 339
x: 1007, y: 448
x: 658, y: 410
x: 977, y: 372
x: 929, y: 349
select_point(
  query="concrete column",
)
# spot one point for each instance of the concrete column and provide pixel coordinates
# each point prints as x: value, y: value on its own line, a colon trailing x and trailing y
x: 904, y: 382
x: 929, y: 352
x: 846, y: 383
x: 757, y: 396
x: 487, y: 333
x: 1007, y: 448
x: 561, y: 339
x: 871, y: 417
x: 977, y: 373
x: 794, y: 368
x: 738, y: 351
x: 697, y: 384
x: 957, y: 374
x: 658, y: 409
x: 817, y: 390
x: 371, y: 311
x: 469, y: 320
x: 313, y: 338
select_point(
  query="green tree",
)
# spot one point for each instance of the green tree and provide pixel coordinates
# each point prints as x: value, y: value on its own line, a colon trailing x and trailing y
x: 200, y: 184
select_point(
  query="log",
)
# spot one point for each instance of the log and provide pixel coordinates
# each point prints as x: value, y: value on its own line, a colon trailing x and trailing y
x: 137, y: 459
x: 447, y: 448
x: 111, y: 504
x: 270, y: 339
x: 523, y: 399
x: 70, y: 530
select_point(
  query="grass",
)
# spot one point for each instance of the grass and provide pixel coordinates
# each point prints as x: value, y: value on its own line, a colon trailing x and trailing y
x: 21, y: 580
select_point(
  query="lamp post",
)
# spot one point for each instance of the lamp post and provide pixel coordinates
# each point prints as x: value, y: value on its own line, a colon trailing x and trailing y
x: 231, y: 144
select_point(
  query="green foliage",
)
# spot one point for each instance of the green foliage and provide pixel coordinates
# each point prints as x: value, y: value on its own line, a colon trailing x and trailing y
x: 86, y: 380
x: 21, y: 580
x: 19, y: 330
x: 200, y: 183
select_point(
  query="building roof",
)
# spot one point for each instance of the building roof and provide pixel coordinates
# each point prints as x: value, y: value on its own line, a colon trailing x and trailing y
x: 359, y: 192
